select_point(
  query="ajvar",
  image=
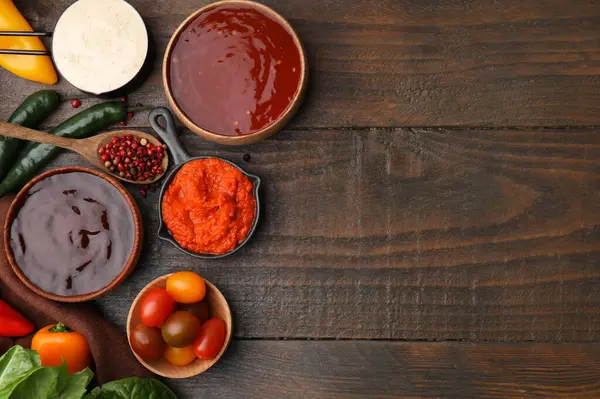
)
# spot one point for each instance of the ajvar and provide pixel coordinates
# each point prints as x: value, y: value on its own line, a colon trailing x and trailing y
x: 209, y: 207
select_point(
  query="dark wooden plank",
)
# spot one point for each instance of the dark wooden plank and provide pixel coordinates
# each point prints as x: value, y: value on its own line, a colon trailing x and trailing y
x: 409, y: 234
x: 378, y: 370
x: 412, y: 63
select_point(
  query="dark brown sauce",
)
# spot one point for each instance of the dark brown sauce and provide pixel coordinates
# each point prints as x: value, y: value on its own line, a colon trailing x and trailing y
x: 235, y: 70
x: 104, y: 220
x: 74, y: 234
x: 82, y: 267
x: 22, y: 242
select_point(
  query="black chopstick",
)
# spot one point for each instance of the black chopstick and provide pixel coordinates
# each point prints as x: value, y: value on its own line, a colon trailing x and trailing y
x: 22, y: 34
x: 24, y: 52
x: 11, y: 33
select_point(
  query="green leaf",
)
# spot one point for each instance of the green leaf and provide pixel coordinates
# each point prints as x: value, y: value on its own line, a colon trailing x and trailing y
x: 16, y: 363
x: 132, y: 388
x: 42, y: 383
x: 31, y: 381
x: 74, y: 386
x: 95, y: 394
x: 7, y: 389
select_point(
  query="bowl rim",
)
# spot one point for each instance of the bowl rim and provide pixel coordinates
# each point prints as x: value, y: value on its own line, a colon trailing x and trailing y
x: 17, y: 204
x: 147, y: 60
x: 228, y: 322
x: 268, y: 130
x: 163, y: 231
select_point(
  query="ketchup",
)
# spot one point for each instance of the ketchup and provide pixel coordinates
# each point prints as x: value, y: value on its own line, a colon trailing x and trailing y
x: 235, y: 70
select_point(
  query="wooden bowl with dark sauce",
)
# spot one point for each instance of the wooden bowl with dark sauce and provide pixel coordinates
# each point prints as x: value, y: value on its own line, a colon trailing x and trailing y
x: 87, y: 281
x: 235, y: 72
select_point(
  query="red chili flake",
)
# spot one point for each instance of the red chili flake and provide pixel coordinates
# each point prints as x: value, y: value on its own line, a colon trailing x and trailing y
x: 130, y: 115
x: 124, y: 99
x: 123, y: 123
x: 75, y: 103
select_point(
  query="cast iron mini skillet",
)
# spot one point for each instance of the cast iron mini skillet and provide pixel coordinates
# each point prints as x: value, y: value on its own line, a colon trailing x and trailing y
x: 180, y: 158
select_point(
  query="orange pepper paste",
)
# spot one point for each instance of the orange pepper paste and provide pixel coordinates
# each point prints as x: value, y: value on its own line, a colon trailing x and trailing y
x: 209, y: 207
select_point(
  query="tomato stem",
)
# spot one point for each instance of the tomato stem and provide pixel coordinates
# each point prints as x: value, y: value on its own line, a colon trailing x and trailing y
x: 60, y: 328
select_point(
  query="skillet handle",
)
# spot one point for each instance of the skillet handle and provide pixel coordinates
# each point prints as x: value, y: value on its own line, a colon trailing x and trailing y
x: 168, y: 134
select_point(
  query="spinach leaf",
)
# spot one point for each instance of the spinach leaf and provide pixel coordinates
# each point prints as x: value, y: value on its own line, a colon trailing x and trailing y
x: 74, y: 386
x: 42, y: 383
x: 16, y: 363
x: 21, y: 376
x: 7, y: 389
x: 132, y: 388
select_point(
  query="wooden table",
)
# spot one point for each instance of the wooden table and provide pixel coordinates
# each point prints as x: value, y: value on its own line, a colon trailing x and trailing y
x: 432, y: 214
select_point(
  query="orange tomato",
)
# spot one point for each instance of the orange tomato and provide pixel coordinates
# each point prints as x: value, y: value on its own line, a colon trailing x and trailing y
x: 56, y: 343
x: 186, y: 287
x: 180, y: 356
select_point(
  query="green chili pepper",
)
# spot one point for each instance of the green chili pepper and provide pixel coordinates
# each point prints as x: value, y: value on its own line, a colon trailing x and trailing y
x: 34, y: 110
x: 35, y: 156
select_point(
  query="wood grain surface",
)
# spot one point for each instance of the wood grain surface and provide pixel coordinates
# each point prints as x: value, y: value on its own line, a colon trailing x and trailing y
x: 384, y: 370
x: 441, y: 183
x: 412, y: 62
x: 408, y: 234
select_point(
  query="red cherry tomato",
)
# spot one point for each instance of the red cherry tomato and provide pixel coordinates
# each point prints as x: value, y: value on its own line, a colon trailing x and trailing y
x: 156, y: 306
x: 211, y: 339
x: 147, y: 342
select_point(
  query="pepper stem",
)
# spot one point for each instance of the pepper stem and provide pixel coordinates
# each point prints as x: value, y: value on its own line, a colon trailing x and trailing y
x: 60, y: 328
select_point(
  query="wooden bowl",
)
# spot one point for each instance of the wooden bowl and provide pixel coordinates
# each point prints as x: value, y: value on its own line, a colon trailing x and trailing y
x: 18, y: 202
x: 218, y: 308
x: 261, y: 134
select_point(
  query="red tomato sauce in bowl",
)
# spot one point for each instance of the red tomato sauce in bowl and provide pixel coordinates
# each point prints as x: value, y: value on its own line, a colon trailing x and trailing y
x: 235, y: 70
x: 209, y: 207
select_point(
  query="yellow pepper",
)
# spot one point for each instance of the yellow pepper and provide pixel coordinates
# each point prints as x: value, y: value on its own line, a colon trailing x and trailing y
x: 36, y: 68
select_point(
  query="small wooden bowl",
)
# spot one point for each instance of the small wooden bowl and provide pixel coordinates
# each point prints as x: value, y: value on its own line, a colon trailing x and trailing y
x: 261, y: 134
x: 218, y: 308
x: 20, y: 199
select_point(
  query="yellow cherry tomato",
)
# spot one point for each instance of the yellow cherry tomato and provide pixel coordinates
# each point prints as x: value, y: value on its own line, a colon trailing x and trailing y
x: 180, y: 356
x: 186, y: 287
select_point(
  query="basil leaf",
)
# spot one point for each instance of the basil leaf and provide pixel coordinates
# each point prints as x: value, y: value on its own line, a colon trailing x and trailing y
x: 132, y: 388
x: 16, y: 363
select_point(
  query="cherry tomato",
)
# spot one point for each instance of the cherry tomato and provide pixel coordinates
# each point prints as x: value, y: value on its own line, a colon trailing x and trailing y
x: 156, y: 306
x: 180, y: 329
x: 180, y: 356
x: 186, y: 287
x: 147, y: 342
x: 211, y: 339
x: 199, y: 309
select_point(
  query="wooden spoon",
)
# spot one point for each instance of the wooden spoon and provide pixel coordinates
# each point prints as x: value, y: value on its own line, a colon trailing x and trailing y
x: 88, y: 148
